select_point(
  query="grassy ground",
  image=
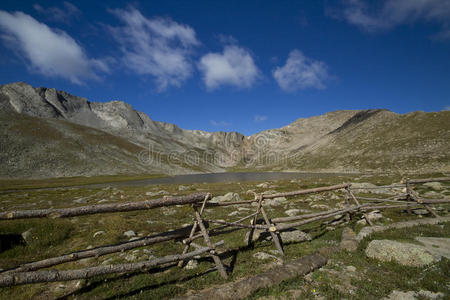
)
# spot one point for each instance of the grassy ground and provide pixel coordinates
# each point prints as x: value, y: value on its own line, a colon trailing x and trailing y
x: 23, y: 184
x: 58, y: 236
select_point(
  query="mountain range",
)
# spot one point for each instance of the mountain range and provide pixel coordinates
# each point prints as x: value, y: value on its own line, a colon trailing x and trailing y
x: 50, y: 133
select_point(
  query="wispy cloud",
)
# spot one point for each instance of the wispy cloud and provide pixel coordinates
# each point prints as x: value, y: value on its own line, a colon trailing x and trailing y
x: 233, y: 67
x: 219, y: 123
x: 259, y: 118
x: 391, y: 13
x: 447, y: 107
x: 63, y: 14
x: 50, y: 52
x: 301, y: 72
x: 158, y: 47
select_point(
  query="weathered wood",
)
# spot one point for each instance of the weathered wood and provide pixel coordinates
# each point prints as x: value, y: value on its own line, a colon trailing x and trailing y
x: 216, y: 204
x: 300, y: 223
x: 425, y: 180
x: 102, y: 208
x: 236, y: 224
x: 19, y: 278
x: 431, y: 201
x: 308, y: 191
x: 194, y: 229
x: 258, y: 208
x: 208, y: 242
x: 306, y: 216
x: 381, y: 200
x: 100, y: 251
x: 357, y: 203
x: 427, y: 207
x: 275, y: 238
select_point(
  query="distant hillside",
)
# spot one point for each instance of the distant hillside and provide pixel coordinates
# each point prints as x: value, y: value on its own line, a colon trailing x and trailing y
x: 48, y: 133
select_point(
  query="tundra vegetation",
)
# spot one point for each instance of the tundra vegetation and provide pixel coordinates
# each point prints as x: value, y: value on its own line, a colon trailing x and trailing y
x: 350, y: 275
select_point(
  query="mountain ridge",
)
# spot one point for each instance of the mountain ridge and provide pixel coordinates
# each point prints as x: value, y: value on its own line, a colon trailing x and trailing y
x: 299, y: 145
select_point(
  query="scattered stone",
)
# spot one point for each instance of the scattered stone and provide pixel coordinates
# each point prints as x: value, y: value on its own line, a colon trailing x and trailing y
x: 227, y: 197
x: 437, y: 186
x: 257, y: 234
x: 243, y: 209
x: 275, y: 201
x: 27, y: 235
x: 374, y: 215
x: 81, y: 200
x: 101, y: 232
x: 294, y: 236
x: 406, y: 254
x: 320, y: 206
x: 263, y: 185
x: 183, y: 188
x: 129, y: 233
x: 350, y: 269
x: 159, y: 193
x: 103, y: 201
x: 362, y: 222
x: 270, y: 192
x: 292, y: 212
x: 411, y: 295
x: 420, y: 211
x: 233, y: 213
x: 348, y: 241
x: 192, y: 264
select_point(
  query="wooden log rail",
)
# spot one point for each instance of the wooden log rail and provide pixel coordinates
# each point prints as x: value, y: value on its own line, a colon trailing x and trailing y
x: 308, y: 191
x: 103, y: 208
x: 104, y: 250
x: 18, y: 278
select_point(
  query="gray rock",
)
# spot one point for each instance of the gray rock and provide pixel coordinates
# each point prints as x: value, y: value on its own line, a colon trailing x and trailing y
x: 437, y: 246
x: 192, y: 264
x: 183, y: 188
x: 101, y: 232
x: 294, y: 236
x: 159, y: 193
x: 26, y: 235
x: 420, y: 211
x: 227, y: 197
x: 437, y: 186
x: 411, y: 295
x: 374, y: 215
x: 292, y: 212
x: 129, y: 233
x: 264, y: 256
x: 350, y: 269
x: 406, y: 254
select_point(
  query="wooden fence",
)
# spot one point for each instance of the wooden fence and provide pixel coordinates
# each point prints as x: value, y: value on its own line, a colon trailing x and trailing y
x: 200, y: 229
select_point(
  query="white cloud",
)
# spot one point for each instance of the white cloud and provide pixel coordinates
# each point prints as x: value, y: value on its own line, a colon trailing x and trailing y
x: 234, y: 66
x: 300, y: 73
x: 57, y: 14
x: 259, y: 118
x: 157, y: 47
x: 392, y: 13
x: 447, y: 107
x: 51, y: 52
x: 219, y: 123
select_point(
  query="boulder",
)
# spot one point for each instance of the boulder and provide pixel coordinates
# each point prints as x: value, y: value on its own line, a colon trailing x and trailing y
x: 406, y: 254
x: 294, y: 236
x: 192, y: 264
x: 292, y: 212
x: 434, y: 185
x: 227, y: 197
x: 129, y: 233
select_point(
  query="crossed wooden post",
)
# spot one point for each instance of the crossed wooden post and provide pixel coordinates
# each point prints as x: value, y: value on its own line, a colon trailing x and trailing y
x: 198, y: 223
x: 270, y: 227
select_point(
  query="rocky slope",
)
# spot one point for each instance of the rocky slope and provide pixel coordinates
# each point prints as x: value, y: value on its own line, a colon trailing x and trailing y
x: 47, y: 133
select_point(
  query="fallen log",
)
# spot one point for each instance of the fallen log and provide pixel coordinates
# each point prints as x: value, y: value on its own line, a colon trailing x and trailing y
x: 100, y: 251
x: 306, y: 216
x: 425, y: 180
x: 102, y: 208
x: 308, y: 191
x: 19, y: 278
x: 242, y: 289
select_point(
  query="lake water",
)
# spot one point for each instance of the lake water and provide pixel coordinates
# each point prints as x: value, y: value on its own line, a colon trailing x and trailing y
x: 219, y: 177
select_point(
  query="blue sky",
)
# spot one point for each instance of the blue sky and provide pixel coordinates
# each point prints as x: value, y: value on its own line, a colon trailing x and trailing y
x: 234, y: 65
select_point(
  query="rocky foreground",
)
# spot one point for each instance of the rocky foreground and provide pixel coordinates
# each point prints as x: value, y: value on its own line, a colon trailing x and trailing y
x: 50, y: 133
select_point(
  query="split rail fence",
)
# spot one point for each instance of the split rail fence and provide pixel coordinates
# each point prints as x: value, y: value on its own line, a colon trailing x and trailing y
x: 201, y: 228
